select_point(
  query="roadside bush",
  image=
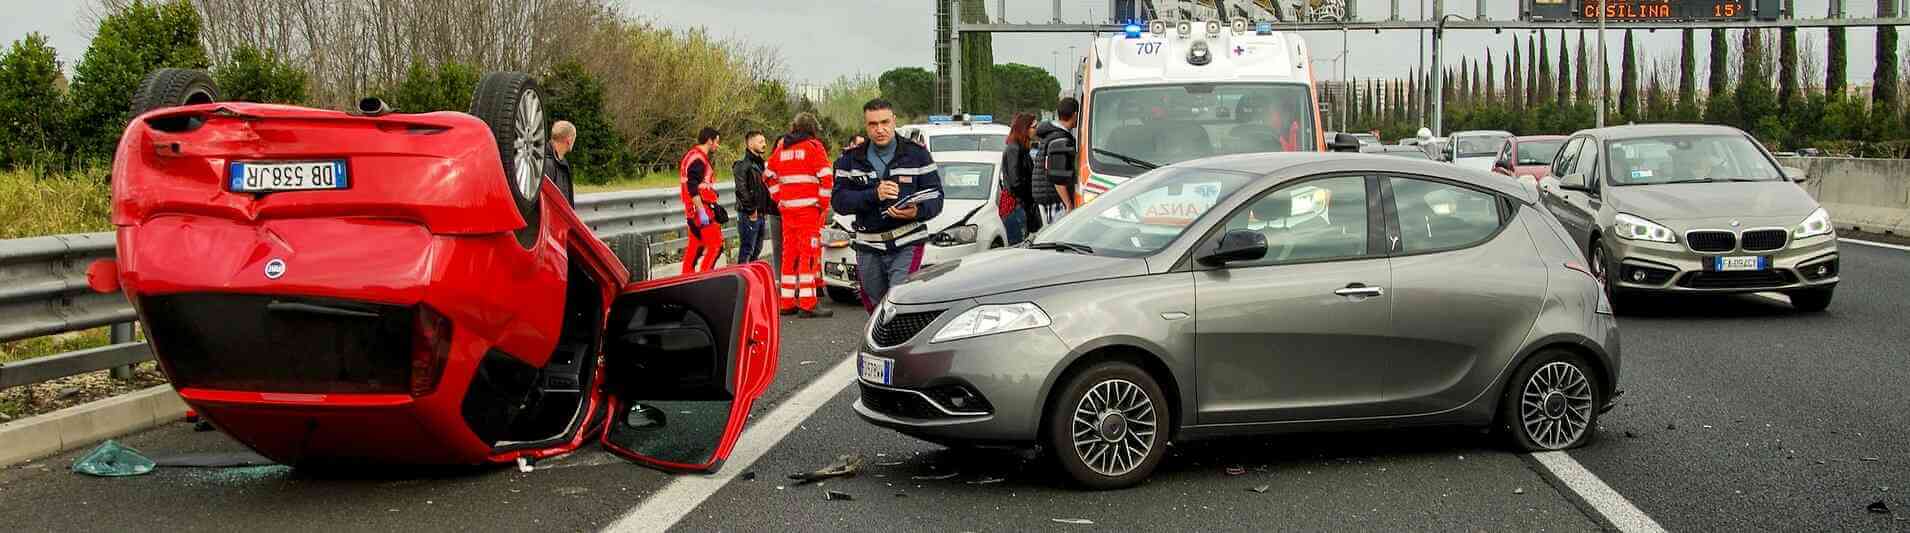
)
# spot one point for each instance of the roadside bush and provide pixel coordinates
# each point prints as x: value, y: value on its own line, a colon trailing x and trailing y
x: 573, y: 94
x: 446, y: 87
x: 251, y: 75
x: 30, y: 104
x: 130, y: 44
x: 54, y: 204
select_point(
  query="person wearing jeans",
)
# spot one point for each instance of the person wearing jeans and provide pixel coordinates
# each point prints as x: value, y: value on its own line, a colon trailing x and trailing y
x: 753, y: 203
x: 890, y: 186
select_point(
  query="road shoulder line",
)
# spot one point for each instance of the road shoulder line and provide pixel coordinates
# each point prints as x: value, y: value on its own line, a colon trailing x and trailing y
x: 1593, y: 493
x: 662, y: 510
x: 1876, y: 244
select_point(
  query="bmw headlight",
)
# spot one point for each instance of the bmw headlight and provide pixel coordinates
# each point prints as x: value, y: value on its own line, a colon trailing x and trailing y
x: 992, y: 319
x: 1816, y: 224
x: 1639, y: 229
x: 956, y: 236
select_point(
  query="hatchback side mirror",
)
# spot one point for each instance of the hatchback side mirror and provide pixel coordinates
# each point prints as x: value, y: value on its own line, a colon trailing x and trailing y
x: 1237, y: 245
x: 1344, y: 142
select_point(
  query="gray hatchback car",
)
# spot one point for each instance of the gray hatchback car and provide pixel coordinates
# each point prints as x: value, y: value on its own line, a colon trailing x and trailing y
x: 1253, y: 294
x: 1679, y: 208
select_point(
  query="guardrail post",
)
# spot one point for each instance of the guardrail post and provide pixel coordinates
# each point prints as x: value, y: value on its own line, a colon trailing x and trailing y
x: 121, y: 333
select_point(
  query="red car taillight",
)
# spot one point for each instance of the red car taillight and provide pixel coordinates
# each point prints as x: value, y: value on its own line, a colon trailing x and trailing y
x: 430, y: 349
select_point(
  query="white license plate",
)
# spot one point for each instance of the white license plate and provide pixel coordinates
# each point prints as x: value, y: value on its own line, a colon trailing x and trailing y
x: 877, y: 370
x: 274, y: 176
x: 1738, y: 264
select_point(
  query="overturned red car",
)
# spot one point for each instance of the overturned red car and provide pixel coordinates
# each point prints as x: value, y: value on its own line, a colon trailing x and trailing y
x: 376, y: 287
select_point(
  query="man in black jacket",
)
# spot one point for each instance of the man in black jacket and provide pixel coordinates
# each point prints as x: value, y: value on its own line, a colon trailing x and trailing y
x: 1055, y: 147
x: 563, y: 137
x: 753, y: 204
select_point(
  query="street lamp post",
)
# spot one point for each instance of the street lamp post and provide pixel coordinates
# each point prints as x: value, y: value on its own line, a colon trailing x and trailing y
x: 1603, y: 68
x: 1438, y: 78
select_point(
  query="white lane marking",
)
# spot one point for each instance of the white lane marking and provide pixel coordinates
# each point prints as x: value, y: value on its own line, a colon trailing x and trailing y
x: 662, y: 510
x: 1876, y: 244
x: 1615, y: 508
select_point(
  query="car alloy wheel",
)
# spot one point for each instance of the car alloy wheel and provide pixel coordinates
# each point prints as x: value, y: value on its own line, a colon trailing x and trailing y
x: 1556, y: 406
x: 1114, y: 427
x: 531, y: 138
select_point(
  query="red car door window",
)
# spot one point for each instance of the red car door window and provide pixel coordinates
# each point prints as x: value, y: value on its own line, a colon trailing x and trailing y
x: 684, y: 360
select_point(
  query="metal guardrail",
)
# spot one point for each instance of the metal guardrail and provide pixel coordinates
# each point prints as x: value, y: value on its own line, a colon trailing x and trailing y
x: 43, y: 290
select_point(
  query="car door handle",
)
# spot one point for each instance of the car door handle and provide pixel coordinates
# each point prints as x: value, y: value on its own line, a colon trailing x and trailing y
x: 1357, y: 290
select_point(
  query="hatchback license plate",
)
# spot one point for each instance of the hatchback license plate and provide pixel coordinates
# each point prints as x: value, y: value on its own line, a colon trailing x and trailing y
x: 877, y: 370
x: 1739, y: 264
x: 274, y: 176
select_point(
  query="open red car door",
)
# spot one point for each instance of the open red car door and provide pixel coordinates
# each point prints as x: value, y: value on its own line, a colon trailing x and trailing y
x: 684, y: 359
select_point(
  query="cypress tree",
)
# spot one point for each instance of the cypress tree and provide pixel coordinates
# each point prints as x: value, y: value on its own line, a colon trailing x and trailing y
x: 1836, y: 65
x: 1545, y: 70
x: 1531, y: 79
x: 1628, y: 78
x: 1717, y: 100
x: 1755, y: 98
x: 1515, y: 91
x: 1492, y: 91
x: 1582, y: 70
x: 1688, y: 79
x: 1478, y: 85
x: 1884, y: 102
x: 1564, y: 73
x: 1787, y: 68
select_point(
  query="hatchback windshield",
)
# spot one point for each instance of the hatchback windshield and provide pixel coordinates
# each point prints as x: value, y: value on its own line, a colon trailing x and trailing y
x: 967, y: 181
x: 1538, y: 152
x: 1142, y: 216
x: 1479, y: 145
x: 967, y: 143
x: 1688, y: 159
x: 1163, y: 125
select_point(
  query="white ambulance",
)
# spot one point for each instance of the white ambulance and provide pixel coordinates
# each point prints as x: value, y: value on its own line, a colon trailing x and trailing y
x: 1173, y: 91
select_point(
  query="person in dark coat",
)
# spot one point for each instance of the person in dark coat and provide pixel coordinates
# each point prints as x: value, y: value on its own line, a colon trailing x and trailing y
x: 1054, y: 178
x: 1018, y: 214
x: 753, y: 204
x: 563, y: 137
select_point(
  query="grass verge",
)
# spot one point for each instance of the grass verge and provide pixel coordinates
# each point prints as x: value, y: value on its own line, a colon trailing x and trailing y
x: 35, y: 206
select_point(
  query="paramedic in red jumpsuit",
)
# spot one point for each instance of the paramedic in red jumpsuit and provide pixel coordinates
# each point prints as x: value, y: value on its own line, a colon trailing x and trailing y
x: 697, y: 189
x: 801, y: 175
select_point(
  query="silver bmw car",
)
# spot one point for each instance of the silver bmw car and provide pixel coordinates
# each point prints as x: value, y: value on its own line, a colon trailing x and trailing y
x: 1253, y: 294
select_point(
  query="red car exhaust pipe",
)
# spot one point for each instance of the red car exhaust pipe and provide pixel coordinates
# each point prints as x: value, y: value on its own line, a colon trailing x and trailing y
x: 371, y: 107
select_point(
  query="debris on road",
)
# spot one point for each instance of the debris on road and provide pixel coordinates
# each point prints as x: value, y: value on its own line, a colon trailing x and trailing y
x: 111, y: 459
x: 1261, y: 489
x: 806, y: 363
x: 1878, y: 507
x: 1630, y: 435
x: 1074, y: 521
x: 845, y: 466
x: 1872, y: 459
x: 837, y: 496
x: 1674, y: 427
x: 950, y: 475
x: 212, y: 460
x: 524, y: 465
x: 986, y: 480
x: 1520, y: 490
x: 889, y: 463
x: 749, y: 476
x: 1236, y: 470
x: 202, y: 426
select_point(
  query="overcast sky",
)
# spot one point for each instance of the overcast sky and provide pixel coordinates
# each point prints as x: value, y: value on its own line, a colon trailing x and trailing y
x: 824, y: 39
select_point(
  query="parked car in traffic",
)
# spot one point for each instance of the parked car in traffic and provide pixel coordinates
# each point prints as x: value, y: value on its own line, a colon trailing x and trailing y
x: 377, y: 287
x: 1692, y: 209
x: 1528, y: 158
x: 948, y: 134
x: 1474, y: 149
x: 1253, y: 294
x: 969, y: 222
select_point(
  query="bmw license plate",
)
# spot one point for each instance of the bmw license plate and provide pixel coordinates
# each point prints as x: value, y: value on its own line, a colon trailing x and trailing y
x: 1740, y: 263
x: 877, y: 370
x: 841, y: 271
x: 275, y: 176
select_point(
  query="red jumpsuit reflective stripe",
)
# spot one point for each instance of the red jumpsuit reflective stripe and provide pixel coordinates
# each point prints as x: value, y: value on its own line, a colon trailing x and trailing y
x: 705, y: 235
x: 800, y: 178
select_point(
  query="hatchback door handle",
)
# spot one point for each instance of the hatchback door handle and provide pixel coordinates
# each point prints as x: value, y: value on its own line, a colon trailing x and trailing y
x: 1359, y: 290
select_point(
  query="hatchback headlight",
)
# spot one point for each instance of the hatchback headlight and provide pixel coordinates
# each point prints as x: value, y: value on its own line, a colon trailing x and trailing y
x: 1639, y: 229
x: 1816, y: 224
x: 956, y: 236
x: 992, y: 319
x: 835, y: 237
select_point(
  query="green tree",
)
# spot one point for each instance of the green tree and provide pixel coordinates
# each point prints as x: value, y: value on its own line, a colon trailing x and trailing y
x: 1564, y: 92
x: 1581, y: 71
x: 1530, y: 82
x: 1515, y: 80
x: 912, y: 89
x: 1024, y: 88
x: 1688, y: 78
x: 978, y: 62
x: 30, y: 103
x: 1628, y: 81
x: 131, y: 43
x: 447, y: 87
x: 250, y: 75
x: 1492, y: 88
x: 1755, y: 97
x: 1885, y: 105
x: 1544, y: 73
x: 601, y: 153
x: 1836, y: 65
x: 774, y: 109
x: 1717, y: 100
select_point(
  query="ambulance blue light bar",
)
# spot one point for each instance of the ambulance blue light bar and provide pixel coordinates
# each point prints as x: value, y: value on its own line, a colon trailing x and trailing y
x: 1263, y: 28
x: 1133, y: 30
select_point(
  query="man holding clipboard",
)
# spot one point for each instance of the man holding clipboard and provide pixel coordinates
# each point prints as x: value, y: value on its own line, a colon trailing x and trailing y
x: 891, y: 186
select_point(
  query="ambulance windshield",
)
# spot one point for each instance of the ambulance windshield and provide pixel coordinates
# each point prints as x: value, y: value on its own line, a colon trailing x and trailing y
x: 1174, y: 123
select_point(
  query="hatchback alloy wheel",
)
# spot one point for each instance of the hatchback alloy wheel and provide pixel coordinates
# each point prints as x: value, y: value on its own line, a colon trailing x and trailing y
x: 1114, y: 427
x: 1555, y: 406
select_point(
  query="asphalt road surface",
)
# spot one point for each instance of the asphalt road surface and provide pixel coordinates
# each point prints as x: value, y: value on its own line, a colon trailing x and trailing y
x: 1738, y: 415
